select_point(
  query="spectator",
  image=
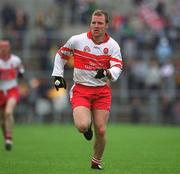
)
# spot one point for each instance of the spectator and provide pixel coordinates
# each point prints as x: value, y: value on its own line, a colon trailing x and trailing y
x: 8, y: 16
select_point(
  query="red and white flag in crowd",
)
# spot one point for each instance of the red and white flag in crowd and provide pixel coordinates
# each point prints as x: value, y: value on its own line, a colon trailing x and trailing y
x: 151, y: 17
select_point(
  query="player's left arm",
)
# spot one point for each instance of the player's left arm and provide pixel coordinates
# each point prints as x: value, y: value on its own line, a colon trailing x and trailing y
x: 21, y: 71
x: 20, y: 67
x: 116, y: 64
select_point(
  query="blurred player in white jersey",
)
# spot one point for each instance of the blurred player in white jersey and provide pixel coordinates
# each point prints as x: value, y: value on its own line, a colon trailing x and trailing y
x: 10, y: 69
x: 97, y: 61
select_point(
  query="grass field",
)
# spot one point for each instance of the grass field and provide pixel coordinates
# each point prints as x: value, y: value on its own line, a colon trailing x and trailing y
x: 60, y: 149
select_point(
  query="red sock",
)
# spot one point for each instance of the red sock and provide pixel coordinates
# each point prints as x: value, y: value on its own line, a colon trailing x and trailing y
x: 8, y: 136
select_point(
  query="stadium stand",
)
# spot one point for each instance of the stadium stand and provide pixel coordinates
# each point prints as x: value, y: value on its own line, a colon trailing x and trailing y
x: 148, y: 33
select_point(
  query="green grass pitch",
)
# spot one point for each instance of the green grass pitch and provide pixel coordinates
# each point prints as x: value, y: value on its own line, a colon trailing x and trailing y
x: 60, y: 149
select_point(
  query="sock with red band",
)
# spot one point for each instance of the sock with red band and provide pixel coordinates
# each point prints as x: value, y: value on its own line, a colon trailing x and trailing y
x: 96, y: 163
x: 8, y: 136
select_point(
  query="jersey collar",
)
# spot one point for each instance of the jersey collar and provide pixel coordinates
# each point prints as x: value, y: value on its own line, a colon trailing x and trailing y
x: 106, y: 37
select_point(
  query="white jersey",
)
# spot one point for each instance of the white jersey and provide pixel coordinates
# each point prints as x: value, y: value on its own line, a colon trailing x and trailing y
x: 8, y: 72
x: 88, y: 57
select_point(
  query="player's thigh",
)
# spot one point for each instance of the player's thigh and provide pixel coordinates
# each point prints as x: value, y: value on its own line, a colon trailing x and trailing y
x: 100, y: 119
x: 1, y: 113
x: 10, y: 105
x: 12, y: 99
x: 81, y: 115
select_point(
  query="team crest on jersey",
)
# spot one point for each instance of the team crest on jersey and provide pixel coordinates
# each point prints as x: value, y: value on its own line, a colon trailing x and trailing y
x: 86, y: 49
x: 106, y: 50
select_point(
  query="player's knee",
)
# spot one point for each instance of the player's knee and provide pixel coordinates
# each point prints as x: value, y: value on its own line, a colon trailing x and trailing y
x: 8, y: 114
x: 101, y: 131
x: 82, y: 127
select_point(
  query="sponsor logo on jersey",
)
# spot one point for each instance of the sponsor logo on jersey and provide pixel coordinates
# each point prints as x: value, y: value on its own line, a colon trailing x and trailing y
x: 86, y: 49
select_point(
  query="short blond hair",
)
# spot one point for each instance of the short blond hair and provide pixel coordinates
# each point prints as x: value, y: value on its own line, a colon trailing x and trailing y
x: 101, y: 13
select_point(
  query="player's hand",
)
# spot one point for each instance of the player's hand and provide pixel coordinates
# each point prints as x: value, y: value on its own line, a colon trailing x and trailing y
x: 59, y: 82
x: 20, y: 75
x: 101, y: 73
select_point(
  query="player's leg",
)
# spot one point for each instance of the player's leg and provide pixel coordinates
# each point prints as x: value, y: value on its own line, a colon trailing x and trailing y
x: 100, y: 118
x: 101, y: 108
x: 80, y: 100
x: 9, y: 121
x: 2, y: 120
x: 82, y: 118
x: 2, y: 105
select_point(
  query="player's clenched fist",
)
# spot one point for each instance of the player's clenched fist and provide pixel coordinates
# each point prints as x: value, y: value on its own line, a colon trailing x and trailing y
x: 101, y: 73
x: 59, y: 82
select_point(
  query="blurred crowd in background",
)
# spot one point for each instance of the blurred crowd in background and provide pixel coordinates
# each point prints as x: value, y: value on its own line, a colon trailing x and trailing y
x: 148, y: 32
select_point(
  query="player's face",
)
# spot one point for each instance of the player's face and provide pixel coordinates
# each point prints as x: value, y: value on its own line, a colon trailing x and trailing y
x: 98, y: 26
x: 4, y: 50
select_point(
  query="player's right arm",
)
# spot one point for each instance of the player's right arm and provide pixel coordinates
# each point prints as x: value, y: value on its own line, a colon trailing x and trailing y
x: 61, y: 58
x: 59, y: 63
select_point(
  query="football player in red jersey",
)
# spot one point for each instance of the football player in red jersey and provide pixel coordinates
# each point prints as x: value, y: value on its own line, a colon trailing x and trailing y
x: 97, y: 61
x: 10, y: 68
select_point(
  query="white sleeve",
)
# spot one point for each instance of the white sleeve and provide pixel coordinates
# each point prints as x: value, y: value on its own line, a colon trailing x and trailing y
x: 59, y: 63
x: 62, y: 56
x: 20, y: 67
x: 116, y: 63
x: 115, y: 73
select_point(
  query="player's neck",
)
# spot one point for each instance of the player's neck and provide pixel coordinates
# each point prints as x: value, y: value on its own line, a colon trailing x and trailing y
x: 98, y: 40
